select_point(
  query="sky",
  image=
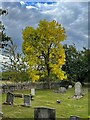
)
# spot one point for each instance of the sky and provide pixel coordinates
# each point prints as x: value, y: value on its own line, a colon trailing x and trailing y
x: 72, y: 15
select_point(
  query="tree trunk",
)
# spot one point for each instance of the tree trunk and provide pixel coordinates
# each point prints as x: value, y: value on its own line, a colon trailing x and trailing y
x: 47, y: 65
x: 48, y: 77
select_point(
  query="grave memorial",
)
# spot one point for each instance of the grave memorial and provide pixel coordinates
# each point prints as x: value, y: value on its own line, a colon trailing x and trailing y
x: 33, y: 91
x: 1, y: 114
x: 9, y: 98
x: 44, y: 113
x: 62, y: 89
x: 70, y: 86
x: 74, y: 118
x: 27, y: 100
x: 78, y: 90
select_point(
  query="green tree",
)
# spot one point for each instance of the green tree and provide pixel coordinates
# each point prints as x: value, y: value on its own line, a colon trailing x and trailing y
x: 9, y: 54
x: 3, y: 37
x: 15, y: 76
x: 14, y: 67
x: 86, y: 64
x: 43, y: 51
x: 71, y: 55
x: 76, y: 65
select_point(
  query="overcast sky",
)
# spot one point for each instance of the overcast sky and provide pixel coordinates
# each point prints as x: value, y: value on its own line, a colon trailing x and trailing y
x: 72, y: 15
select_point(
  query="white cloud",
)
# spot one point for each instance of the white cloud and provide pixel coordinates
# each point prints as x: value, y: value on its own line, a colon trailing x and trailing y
x: 74, y: 17
x: 31, y: 7
x: 22, y: 2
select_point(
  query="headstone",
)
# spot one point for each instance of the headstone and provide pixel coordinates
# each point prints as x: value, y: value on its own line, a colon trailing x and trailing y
x: 70, y: 86
x: 44, y: 113
x: 74, y: 118
x: 27, y: 100
x: 11, y: 88
x: 62, y: 89
x: 10, y: 98
x: 1, y: 114
x: 33, y: 91
x: 78, y: 89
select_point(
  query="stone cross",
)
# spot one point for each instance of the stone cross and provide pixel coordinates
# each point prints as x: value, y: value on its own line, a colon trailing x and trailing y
x: 27, y: 100
x: 41, y: 113
x: 78, y: 89
x: 10, y: 98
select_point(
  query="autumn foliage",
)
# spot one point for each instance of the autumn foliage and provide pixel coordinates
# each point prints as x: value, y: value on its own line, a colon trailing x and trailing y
x: 43, y: 50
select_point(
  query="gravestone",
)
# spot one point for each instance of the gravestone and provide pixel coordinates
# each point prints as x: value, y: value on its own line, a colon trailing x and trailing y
x: 41, y: 113
x: 11, y: 88
x: 70, y: 86
x: 74, y: 118
x: 1, y: 114
x: 62, y: 89
x: 10, y: 98
x: 27, y: 100
x: 33, y: 91
x: 78, y: 89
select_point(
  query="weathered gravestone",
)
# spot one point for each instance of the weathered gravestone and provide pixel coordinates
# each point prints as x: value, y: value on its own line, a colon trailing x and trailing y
x: 78, y: 89
x: 62, y: 89
x: 41, y: 113
x: 33, y: 91
x: 10, y: 98
x: 74, y: 118
x: 70, y: 86
x: 1, y: 114
x: 27, y: 100
x: 11, y: 88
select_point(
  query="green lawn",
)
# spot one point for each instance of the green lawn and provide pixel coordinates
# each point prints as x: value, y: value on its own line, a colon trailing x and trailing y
x: 47, y: 98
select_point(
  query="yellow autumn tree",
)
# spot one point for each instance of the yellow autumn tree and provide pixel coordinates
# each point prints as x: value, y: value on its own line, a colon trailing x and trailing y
x: 43, y: 50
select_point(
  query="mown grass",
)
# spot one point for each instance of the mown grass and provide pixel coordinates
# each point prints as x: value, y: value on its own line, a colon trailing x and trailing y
x: 47, y: 98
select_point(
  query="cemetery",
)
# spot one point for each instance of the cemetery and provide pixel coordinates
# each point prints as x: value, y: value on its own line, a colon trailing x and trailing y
x: 44, y: 78
x: 18, y: 104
